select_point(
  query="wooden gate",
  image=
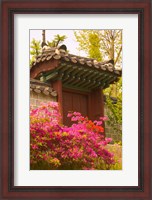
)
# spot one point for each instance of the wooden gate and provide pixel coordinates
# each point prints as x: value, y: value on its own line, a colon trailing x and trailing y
x: 74, y: 101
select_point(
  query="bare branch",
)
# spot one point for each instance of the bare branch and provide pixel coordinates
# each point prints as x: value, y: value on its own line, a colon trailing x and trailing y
x: 118, y: 55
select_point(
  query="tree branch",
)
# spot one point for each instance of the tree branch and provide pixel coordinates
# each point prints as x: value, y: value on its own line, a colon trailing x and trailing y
x: 118, y: 55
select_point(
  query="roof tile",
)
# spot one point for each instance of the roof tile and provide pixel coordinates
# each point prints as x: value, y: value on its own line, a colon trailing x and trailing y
x: 62, y: 54
x: 41, y: 87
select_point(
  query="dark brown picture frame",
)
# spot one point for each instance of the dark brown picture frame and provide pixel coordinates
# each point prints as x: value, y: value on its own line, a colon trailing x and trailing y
x: 9, y: 9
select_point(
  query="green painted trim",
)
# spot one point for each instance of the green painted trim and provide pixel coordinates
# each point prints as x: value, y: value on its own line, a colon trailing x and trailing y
x: 101, y: 78
x: 51, y: 76
x: 93, y: 75
x: 65, y: 77
x: 101, y: 83
x: 88, y: 82
x: 110, y: 81
x: 82, y: 72
x: 76, y: 88
x: 70, y: 79
x: 63, y: 69
x: 97, y: 84
x: 81, y: 82
x: 75, y: 77
x: 68, y: 73
x: 107, y: 79
x: 72, y: 74
x: 73, y: 68
x: 77, y: 80
x: 85, y: 84
x: 91, y: 84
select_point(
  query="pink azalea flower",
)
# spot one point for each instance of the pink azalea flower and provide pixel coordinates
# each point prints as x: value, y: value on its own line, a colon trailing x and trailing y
x: 59, y: 145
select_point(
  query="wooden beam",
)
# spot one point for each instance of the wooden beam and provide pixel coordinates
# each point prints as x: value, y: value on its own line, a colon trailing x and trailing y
x: 71, y: 79
x: 101, y: 76
x: 100, y: 83
x: 105, y: 78
x: 83, y: 80
x: 97, y: 84
x: 86, y: 83
x: 83, y: 71
x: 76, y: 88
x: 74, y: 77
x: 94, y: 85
x: 43, y: 67
x: 89, y: 73
x: 71, y: 69
x: 62, y: 65
x: 65, y: 77
x: 110, y: 81
x: 55, y: 69
x: 108, y: 78
x: 77, y: 80
x: 60, y: 76
x: 80, y: 69
x: 90, y: 84
x: 97, y: 76
x: 51, y: 76
x: 93, y: 75
x: 64, y: 68
x: 69, y: 73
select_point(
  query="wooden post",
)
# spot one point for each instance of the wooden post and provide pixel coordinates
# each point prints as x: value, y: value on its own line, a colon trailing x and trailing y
x: 96, y: 104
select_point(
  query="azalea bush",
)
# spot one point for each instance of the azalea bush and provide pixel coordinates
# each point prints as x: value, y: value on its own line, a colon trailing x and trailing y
x: 55, y: 146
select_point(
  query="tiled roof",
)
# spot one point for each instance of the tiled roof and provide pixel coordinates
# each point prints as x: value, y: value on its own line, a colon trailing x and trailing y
x: 75, y: 72
x: 40, y: 87
x: 60, y: 54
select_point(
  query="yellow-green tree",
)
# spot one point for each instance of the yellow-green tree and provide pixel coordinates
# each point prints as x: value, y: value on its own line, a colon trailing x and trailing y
x: 105, y: 45
x: 35, y: 49
x: 58, y: 39
x: 101, y: 44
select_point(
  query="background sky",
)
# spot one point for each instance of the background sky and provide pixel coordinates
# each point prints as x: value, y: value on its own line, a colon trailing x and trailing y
x: 70, y: 42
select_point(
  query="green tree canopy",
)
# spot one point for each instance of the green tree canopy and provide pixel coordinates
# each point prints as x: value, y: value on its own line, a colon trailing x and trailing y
x: 101, y: 44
